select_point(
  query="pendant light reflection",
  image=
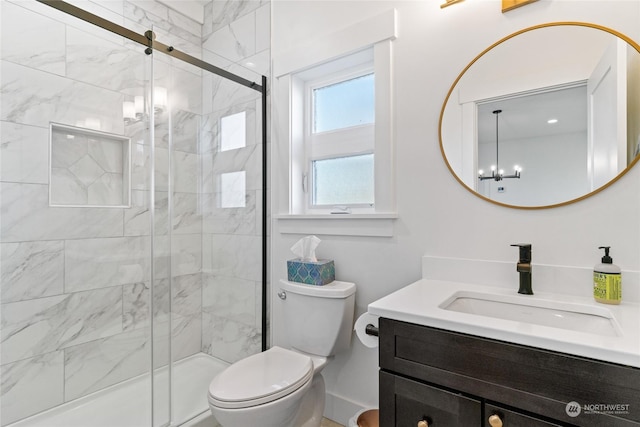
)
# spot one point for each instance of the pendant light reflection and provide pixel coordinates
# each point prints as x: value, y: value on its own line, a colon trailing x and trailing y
x: 497, y: 174
x: 133, y: 111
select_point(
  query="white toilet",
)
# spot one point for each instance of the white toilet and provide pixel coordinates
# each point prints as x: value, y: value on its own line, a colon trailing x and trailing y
x: 283, y: 387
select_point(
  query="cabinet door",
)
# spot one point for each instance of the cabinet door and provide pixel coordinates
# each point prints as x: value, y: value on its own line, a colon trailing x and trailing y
x: 404, y: 403
x: 513, y: 419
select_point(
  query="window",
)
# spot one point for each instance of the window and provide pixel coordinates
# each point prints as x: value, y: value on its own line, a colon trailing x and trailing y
x: 344, y: 104
x: 343, y: 181
x: 335, y: 127
x: 339, y: 134
x: 340, y: 139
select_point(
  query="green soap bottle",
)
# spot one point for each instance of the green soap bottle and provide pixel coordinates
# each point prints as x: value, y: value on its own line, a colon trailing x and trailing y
x: 607, y: 280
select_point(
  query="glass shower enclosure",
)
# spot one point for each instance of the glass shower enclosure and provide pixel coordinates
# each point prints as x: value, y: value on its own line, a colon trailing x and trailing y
x: 133, y: 222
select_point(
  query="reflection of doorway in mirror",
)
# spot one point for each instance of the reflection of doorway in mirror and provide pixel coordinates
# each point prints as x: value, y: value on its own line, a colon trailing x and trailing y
x: 543, y: 131
x: 507, y: 5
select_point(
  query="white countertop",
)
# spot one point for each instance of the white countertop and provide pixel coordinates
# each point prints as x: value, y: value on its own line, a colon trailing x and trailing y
x: 420, y: 303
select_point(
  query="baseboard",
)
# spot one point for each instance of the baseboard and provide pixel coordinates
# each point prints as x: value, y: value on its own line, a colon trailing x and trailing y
x: 340, y: 409
x: 336, y: 408
x: 203, y: 420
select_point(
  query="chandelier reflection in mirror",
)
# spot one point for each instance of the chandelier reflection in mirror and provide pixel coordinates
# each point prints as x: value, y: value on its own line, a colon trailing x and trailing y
x: 497, y: 174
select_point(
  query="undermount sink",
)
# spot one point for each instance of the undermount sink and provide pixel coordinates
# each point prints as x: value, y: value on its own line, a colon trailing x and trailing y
x: 526, y: 309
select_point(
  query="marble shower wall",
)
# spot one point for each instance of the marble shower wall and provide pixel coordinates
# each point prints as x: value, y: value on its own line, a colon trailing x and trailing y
x: 76, y: 282
x: 236, y: 36
x: 88, y: 168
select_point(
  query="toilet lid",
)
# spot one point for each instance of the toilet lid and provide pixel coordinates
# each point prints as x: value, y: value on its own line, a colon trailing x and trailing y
x: 261, y: 378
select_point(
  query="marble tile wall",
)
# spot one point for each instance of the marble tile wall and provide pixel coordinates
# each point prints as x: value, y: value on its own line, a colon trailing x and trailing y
x: 88, y: 169
x: 236, y: 37
x: 75, y: 282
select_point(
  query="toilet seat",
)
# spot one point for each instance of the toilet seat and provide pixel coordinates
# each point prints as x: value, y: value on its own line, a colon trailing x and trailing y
x: 260, y: 379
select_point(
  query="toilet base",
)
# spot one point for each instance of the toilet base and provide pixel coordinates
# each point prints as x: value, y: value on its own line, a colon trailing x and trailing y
x: 312, y: 406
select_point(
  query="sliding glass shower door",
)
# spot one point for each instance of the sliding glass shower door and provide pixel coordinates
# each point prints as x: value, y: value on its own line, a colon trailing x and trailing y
x: 75, y: 236
x: 209, y: 136
x: 132, y: 225
x: 177, y: 332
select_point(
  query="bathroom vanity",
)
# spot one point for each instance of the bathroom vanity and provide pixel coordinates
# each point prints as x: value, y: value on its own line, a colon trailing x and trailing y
x: 454, y: 379
x: 442, y: 367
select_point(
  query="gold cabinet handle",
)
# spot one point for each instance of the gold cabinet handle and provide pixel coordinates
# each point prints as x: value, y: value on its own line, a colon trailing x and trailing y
x: 423, y: 423
x: 495, y: 420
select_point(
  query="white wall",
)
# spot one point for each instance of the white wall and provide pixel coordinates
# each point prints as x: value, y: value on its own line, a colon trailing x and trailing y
x: 554, y: 169
x: 436, y: 215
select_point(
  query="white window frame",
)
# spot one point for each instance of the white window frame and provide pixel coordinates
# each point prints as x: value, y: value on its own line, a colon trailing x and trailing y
x: 289, y: 200
x: 336, y: 143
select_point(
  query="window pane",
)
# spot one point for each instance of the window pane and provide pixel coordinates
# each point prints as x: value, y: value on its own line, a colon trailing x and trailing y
x: 233, y: 132
x: 345, y: 104
x: 343, y: 180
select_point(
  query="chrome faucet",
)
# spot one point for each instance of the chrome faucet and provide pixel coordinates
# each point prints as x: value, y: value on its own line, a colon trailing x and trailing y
x: 524, y: 268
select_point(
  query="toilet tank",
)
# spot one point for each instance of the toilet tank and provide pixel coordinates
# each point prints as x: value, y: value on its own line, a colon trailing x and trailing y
x: 318, y: 319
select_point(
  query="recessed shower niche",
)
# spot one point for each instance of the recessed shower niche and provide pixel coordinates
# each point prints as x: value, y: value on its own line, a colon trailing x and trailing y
x: 88, y: 168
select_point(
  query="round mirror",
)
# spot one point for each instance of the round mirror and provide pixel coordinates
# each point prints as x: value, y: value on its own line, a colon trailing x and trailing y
x: 546, y: 116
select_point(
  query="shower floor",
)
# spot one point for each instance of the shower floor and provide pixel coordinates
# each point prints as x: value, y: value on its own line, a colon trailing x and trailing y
x: 127, y: 404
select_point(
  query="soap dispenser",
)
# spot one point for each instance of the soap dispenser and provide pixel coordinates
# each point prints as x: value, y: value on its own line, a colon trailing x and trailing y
x: 607, y: 280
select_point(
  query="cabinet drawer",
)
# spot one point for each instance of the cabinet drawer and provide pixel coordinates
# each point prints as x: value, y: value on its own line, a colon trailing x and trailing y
x: 514, y: 419
x: 407, y: 402
x: 535, y: 380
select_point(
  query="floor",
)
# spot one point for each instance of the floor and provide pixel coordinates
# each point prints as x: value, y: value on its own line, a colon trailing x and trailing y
x: 328, y: 423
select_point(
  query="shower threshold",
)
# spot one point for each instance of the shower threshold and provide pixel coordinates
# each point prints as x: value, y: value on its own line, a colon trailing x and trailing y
x: 127, y: 404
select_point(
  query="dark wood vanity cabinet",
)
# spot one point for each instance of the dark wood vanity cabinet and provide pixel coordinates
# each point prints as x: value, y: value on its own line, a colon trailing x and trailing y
x: 450, y: 379
x: 415, y: 401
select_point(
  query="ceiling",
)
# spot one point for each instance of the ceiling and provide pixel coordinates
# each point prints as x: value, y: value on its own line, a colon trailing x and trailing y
x: 526, y: 116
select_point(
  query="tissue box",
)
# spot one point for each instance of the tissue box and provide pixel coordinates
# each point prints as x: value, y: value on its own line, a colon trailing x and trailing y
x: 316, y: 273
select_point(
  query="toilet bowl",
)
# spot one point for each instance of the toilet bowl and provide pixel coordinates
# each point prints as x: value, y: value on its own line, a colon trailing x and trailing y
x: 270, y: 389
x: 284, y: 387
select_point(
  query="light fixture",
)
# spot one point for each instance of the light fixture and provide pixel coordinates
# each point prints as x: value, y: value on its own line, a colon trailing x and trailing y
x: 497, y: 174
x: 449, y: 3
x: 159, y: 99
x: 133, y: 111
x: 128, y: 111
x: 138, y: 102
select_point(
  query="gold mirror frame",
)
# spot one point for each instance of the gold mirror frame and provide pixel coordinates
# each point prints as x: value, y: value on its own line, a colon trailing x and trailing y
x: 632, y: 43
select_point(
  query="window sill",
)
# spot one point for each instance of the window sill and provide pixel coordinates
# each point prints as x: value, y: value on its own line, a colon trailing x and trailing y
x: 370, y: 225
